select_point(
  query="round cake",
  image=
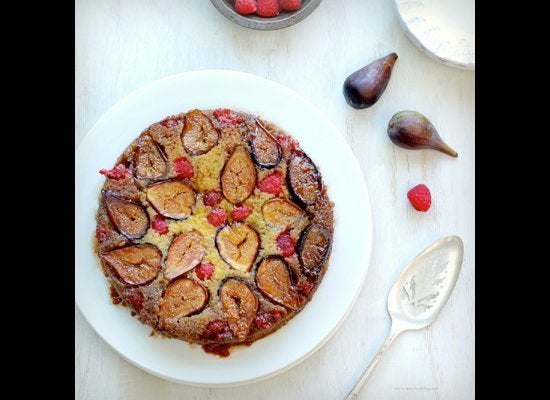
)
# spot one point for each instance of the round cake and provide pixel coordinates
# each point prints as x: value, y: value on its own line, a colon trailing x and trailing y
x: 214, y: 227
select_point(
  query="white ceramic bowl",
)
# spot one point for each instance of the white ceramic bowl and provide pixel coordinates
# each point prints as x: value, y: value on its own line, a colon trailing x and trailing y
x: 442, y: 29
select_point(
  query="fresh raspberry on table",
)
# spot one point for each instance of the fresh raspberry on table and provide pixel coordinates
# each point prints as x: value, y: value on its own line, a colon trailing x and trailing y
x: 268, y: 8
x: 216, y: 217
x: 420, y: 197
x: 183, y: 168
x: 272, y: 183
x: 290, y: 5
x: 160, y: 225
x: 240, y: 213
x: 204, y: 271
x: 245, y: 7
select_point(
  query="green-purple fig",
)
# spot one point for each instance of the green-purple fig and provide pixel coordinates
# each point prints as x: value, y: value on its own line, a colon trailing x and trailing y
x: 412, y: 130
x: 364, y: 87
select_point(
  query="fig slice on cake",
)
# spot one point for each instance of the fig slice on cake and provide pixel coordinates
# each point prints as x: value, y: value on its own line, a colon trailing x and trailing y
x: 135, y: 265
x: 313, y: 249
x: 172, y: 199
x: 266, y: 151
x: 273, y: 278
x: 185, y: 253
x: 149, y: 159
x: 182, y: 298
x: 128, y: 217
x: 304, y: 180
x: 238, y: 177
x: 279, y: 212
x: 238, y: 245
x: 240, y: 304
x: 199, y: 135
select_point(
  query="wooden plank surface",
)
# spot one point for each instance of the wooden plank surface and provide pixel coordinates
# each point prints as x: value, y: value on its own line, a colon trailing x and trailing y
x: 122, y: 45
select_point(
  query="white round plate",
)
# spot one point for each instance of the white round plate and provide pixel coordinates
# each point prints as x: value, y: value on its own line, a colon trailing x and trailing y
x: 176, y: 360
x: 442, y: 29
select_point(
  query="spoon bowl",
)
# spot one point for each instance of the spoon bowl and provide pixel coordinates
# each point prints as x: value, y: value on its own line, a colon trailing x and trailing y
x: 422, y: 289
x: 419, y: 293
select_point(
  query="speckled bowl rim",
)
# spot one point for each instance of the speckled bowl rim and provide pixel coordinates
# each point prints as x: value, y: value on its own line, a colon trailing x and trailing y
x: 266, y: 24
x: 449, y: 47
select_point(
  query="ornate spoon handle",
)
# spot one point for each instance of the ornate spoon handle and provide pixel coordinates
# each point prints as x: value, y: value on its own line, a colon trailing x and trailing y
x: 357, y: 388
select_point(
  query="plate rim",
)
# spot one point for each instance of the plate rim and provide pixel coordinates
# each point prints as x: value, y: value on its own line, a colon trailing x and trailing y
x: 93, y: 131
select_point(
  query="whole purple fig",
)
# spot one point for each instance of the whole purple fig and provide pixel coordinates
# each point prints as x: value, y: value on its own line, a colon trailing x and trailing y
x: 364, y: 87
x: 412, y: 130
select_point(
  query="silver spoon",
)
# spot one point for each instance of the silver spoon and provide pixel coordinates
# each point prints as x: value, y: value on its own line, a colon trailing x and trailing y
x: 419, y: 294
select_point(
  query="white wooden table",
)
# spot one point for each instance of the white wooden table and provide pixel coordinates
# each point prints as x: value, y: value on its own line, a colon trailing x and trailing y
x: 122, y: 45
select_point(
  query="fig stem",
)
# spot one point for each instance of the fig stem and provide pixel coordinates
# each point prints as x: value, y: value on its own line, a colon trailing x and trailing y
x: 445, y: 148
